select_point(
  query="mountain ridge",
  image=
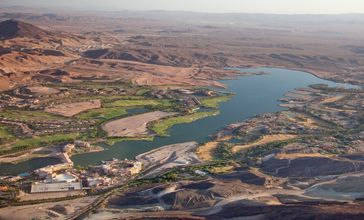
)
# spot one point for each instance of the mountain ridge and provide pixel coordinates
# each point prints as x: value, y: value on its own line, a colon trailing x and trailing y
x: 15, y: 28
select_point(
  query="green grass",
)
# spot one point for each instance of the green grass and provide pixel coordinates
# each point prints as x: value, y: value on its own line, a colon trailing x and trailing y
x: 144, y: 102
x: 142, y: 91
x: 40, y: 141
x: 223, y: 151
x: 161, y: 127
x: 5, y: 135
x: 215, y: 102
x: 103, y: 113
x: 28, y: 115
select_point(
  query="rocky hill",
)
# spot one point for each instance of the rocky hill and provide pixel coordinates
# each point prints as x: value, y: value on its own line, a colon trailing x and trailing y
x: 13, y: 28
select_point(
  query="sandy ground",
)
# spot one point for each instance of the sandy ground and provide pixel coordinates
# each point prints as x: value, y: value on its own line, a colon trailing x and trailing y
x: 52, y: 210
x: 167, y: 157
x: 72, y: 109
x: 332, y: 99
x: 5, y: 83
x: 265, y: 140
x: 40, y: 196
x: 283, y: 156
x: 206, y: 151
x: 133, y: 126
x: 9, y: 63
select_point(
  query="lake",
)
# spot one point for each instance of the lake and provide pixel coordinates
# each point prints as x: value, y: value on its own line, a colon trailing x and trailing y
x: 255, y: 95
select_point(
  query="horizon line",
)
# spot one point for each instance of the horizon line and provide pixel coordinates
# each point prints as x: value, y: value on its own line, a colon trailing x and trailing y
x: 178, y: 11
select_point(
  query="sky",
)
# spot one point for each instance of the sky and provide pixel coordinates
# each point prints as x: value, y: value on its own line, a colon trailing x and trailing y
x: 219, y: 6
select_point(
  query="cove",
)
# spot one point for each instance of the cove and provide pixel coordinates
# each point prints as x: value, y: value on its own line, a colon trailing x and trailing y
x: 254, y: 95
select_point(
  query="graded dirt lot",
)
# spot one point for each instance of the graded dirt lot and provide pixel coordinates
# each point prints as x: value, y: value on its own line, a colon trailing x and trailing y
x: 170, y: 156
x: 133, y: 126
x: 52, y: 210
x: 71, y: 109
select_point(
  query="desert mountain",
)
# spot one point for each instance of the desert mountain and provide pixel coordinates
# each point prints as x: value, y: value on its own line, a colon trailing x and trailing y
x: 14, y: 28
x: 30, y: 54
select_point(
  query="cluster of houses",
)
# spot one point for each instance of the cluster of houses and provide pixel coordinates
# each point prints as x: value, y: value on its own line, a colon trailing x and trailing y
x: 35, y: 98
x: 107, y: 91
x: 19, y: 128
x: 117, y: 167
x: 32, y: 127
x: 14, y: 102
x: 61, y: 126
x: 189, y: 99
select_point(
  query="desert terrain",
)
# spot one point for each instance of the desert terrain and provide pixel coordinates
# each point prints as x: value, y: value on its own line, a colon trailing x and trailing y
x: 70, y: 80
x: 156, y: 52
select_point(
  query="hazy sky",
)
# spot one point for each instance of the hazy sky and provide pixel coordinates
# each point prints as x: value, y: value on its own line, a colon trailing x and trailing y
x: 250, y: 6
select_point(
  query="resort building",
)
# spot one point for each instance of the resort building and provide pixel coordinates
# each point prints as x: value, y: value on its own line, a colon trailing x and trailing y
x: 40, y: 187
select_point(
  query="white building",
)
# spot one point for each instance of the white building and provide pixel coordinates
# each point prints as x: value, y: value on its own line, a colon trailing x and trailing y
x: 40, y: 187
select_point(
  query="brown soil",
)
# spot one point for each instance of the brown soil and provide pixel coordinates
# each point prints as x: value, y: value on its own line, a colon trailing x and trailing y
x: 71, y: 109
x: 206, y: 151
x: 264, y: 140
x: 133, y: 126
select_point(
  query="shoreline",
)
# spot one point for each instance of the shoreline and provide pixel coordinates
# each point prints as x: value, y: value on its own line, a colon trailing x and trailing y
x: 105, y: 140
x: 309, y: 71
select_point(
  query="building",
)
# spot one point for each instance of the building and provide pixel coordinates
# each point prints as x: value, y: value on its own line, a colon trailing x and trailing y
x: 68, y: 148
x: 136, y: 168
x: 82, y: 144
x: 99, y: 181
x: 64, y: 177
x: 121, y: 167
x: 40, y: 187
x: 185, y: 91
x: 49, y: 170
